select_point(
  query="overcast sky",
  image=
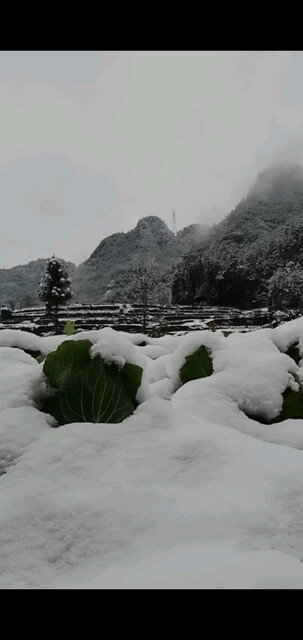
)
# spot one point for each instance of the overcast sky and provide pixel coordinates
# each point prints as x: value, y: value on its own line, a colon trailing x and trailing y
x: 93, y: 141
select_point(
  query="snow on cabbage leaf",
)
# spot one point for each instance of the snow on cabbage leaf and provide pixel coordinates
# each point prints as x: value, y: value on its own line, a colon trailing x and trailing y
x: 292, y: 407
x: 197, y: 365
x: 86, y: 389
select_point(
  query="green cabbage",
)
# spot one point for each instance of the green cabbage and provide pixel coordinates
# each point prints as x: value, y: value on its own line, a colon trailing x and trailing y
x: 197, y: 365
x: 86, y: 389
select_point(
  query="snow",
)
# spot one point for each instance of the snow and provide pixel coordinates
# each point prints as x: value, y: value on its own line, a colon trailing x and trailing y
x: 20, y: 375
x: 188, y: 492
x: 19, y: 428
x: 238, y: 570
x: 153, y: 351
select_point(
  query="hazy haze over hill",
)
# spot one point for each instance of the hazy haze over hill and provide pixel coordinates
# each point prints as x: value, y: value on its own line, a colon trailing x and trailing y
x: 280, y: 181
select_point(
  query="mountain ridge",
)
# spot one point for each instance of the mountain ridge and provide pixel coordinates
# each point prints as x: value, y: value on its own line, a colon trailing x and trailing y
x: 94, y: 280
x: 106, y: 274
x: 234, y: 263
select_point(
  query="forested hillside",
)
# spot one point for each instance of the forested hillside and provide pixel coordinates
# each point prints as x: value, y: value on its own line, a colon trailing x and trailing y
x: 256, y: 249
x: 19, y: 285
x: 107, y: 274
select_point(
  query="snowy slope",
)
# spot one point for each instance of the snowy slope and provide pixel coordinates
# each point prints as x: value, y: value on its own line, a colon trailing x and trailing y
x: 188, y: 492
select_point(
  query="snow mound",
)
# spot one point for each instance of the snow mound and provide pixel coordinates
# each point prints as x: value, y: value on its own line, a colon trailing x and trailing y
x: 188, y: 492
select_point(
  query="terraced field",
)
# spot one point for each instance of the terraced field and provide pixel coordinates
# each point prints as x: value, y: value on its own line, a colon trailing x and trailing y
x: 125, y: 317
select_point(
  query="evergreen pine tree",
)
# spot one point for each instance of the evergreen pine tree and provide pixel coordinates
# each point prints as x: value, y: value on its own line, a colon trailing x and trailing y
x: 54, y: 288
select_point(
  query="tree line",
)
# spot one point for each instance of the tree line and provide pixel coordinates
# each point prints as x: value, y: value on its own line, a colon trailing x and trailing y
x: 229, y: 270
x: 266, y: 272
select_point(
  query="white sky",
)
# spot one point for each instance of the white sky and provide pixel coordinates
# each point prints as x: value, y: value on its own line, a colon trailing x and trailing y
x: 93, y: 141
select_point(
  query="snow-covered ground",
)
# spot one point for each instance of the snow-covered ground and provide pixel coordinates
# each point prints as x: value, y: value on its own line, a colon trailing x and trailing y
x: 188, y: 492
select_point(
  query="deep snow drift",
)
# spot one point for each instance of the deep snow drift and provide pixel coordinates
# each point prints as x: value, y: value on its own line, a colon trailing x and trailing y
x: 188, y: 492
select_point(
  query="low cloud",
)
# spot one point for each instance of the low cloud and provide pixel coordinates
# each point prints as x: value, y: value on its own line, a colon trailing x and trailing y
x: 135, y: 132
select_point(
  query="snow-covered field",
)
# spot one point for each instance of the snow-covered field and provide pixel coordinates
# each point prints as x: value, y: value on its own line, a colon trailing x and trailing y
x: 188, y: 492
x: 161, y: 320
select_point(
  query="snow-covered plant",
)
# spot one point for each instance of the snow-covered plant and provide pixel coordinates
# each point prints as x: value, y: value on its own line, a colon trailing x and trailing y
x: 292, y: 402
x: 86, y: 389
x: 147, y: 286
x: 69, y: 328
x: 54, y: 288
x: 197, y: 365
x: 292, y: 407
x: 293, y: 352
x: 5, y: 313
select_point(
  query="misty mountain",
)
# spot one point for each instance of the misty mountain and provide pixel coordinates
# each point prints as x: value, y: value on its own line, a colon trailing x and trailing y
x: 19, y: 285
x: 240, y: 254
x: 275, y: 198
x: 106, y: 275
x: 280, y: 182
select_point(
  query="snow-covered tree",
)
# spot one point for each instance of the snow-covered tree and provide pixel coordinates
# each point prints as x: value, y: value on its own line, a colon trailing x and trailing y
x: 5, y: 313
x: 147, y: 285
x: 285, y: 287
x: 54, y: 288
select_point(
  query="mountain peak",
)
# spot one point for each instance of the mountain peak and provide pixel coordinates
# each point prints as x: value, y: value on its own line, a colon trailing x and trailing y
x: 107, y: 273
x: 151, y: 222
